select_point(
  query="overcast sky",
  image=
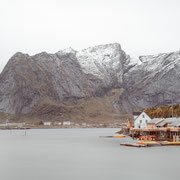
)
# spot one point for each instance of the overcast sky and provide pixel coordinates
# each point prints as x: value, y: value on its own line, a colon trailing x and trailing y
x: 140, y: 26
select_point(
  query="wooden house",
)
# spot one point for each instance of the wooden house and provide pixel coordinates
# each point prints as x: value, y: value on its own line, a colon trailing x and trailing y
x: 152, y: 123
x: 141, y: 121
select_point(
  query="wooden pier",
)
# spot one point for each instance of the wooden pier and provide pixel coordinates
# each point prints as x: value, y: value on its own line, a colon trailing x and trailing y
x: 133, y: 145
x: 170, y: 144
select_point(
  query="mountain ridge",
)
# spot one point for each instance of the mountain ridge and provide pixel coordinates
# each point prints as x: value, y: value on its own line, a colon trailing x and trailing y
x: 61, y: 77
x: 104, y: 72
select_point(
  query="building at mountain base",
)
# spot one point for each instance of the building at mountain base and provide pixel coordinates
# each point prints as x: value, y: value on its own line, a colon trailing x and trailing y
x: 162, y: 128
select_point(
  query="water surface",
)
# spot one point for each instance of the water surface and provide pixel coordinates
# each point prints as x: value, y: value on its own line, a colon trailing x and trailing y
x: 79, y: 154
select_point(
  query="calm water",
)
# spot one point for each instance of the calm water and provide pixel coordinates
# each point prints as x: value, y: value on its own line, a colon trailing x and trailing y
x: 79, y: 154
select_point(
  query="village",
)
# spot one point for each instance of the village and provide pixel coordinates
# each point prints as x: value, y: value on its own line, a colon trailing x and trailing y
x: 144, y: 130
x: 150, y: 132
x: 56, y: 124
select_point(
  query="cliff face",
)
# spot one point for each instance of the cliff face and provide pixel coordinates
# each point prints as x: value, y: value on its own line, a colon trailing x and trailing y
x: 155, y: 82
x: 26, y: 79
x: 72, y: 82
x: 106, y: 62
x: 65, y: 75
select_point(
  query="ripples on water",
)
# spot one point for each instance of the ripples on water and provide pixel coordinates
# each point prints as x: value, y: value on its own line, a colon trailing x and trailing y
x: 79, y: 154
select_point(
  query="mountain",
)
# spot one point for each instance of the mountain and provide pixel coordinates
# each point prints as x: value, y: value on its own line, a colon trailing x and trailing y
x: 155, y: 82
x: 97, y: 83
x: 47, y: 84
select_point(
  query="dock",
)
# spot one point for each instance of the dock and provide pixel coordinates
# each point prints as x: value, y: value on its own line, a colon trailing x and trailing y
x: 150, y: 143
x: 133, y: 145
x: 170, y: 144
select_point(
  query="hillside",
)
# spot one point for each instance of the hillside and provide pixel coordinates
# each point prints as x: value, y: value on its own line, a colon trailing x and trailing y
x: 164, y: 111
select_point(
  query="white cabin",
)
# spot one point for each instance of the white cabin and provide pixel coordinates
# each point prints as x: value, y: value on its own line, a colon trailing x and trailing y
x: 141, y: 121
x: 67, y: 123
x: 47, y: 123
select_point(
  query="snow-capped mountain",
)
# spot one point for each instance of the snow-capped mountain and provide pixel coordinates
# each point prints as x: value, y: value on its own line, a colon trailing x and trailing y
x: 156, y: 81
x: 64, y: 75
x: 103, y: 71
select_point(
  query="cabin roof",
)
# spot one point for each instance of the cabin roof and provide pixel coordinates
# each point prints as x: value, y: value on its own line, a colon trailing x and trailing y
x: 175, y: 123
x: 140, y: 115
x: 162, y: 123
x: 155, y: 120
x: 171, y: 119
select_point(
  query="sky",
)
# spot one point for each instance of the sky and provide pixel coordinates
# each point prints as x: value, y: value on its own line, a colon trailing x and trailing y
x: 142, y: 27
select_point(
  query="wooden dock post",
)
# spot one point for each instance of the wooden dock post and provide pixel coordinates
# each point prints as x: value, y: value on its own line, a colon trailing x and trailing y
x: 132, y: 134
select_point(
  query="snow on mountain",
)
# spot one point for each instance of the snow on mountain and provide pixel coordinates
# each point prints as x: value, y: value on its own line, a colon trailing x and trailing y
x: 156, y: 81
x: 64, y: 75
x: 104, y: 61
x: 93, y: 72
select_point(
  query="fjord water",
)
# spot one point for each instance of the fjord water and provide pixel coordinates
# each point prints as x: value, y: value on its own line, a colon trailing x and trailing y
x: 79, y: 154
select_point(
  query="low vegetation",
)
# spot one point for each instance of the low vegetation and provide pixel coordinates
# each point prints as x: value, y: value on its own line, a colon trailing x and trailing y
x: 164, y: 111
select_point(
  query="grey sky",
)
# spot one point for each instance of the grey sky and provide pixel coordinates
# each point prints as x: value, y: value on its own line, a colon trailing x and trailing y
x: 140, y: 26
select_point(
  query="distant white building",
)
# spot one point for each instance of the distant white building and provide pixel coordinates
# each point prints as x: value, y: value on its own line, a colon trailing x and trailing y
x: 140, y: 122
x: 67, y: 123
x: 47, y: 123
x: 57, y: 123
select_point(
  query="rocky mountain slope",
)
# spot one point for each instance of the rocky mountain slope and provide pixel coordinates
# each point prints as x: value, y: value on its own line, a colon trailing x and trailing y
x: 97, y: 82
x: 65, y: 76
x: 155, y: 82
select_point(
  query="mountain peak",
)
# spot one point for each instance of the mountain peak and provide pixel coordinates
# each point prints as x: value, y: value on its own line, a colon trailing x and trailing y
x: 67, y: 51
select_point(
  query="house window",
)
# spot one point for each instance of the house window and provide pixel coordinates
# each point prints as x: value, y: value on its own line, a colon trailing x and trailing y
x: 140, y: 121
x: 146, y: 121
x: 143, y: 116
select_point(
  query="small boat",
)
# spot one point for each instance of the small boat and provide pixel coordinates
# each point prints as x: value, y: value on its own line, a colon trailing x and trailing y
x: 168, y: 143
x: 120, y: 136
x: 116, y: 136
